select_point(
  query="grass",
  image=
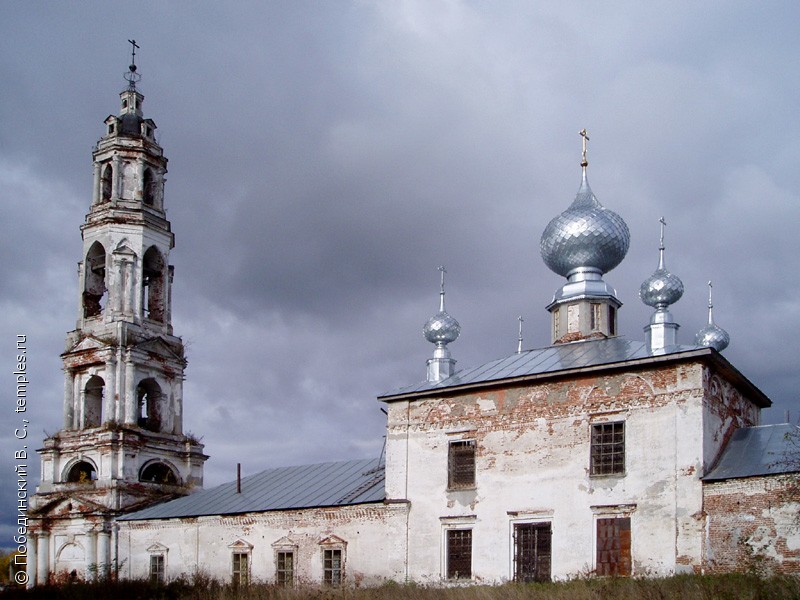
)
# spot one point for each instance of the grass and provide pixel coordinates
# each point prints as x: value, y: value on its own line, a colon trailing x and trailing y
x: 685, y: 587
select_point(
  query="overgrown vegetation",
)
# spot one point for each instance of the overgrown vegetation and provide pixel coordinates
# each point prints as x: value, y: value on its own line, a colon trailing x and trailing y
x: 685, y: 587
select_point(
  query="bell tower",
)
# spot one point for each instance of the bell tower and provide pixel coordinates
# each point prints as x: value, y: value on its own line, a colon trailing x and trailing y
x: 121, y: 446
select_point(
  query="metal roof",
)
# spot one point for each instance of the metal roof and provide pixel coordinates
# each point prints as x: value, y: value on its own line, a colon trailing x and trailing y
x: 552, y: 359
x: 306, y: 486
x: 762, y: 450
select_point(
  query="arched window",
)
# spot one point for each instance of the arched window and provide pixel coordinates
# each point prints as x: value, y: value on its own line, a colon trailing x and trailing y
x: 94, y: 280
x: 157, y: 472
x: 149, y: 395
x: 106, y: 182
x: 148, y: 188
x: 82, y: 472
x: 93, y: 402
x: 153, y: 285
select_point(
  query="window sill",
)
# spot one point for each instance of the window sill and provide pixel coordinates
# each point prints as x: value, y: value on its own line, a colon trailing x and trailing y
x: 464, y: 488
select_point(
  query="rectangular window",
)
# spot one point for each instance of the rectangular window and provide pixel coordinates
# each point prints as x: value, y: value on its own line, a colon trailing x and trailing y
x: 608, y: 449
x: 573, y: 318
x: 332, y: 566
x: 594, y: 319
x: 461, y: 464
x: 532, y: 552
x: 556, y: 323
x: 612, y: 320
x: 614, y: 547
x: 241, y: 568
x: 459, y: 553
x: 157, y: 574
x: 284, y: 571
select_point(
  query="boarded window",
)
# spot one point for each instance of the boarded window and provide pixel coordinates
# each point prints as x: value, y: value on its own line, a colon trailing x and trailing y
x: 461, y: 464
x: 608, y: 449
x: 284, y: 568
x: 459, y: 553
x: 532, y: 552
x: 241, y: 568
x: 157, y: 573
x: 573, y: 318
x: 614, y: 547
x: 332, y: 566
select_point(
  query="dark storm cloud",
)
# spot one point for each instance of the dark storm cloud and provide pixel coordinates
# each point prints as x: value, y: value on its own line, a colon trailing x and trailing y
x: 326, y: 157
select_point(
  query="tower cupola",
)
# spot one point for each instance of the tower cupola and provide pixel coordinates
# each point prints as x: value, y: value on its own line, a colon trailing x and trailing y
x: 440, y: 330
x: 582, y: 244
x: 660, y: 290
x: 712, y: 336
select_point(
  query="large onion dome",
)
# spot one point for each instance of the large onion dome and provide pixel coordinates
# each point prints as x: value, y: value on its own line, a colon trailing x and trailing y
x: 586, y: 236
x: 712, y: 336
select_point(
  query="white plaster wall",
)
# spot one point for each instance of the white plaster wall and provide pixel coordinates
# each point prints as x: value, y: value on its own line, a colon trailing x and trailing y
x: 374, y: 537
x: 532, y: 463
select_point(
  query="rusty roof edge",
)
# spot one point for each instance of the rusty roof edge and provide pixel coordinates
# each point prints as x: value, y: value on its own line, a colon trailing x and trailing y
x: 706, y: 354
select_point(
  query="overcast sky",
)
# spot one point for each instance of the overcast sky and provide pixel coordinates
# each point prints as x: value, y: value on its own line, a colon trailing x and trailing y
x: 326, y: 157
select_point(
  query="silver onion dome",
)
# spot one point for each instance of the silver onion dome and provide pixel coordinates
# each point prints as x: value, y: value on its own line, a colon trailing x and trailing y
x: 441, y: 328
x: 712, y: 336
x: 585, y: 236
x: 662, y: 288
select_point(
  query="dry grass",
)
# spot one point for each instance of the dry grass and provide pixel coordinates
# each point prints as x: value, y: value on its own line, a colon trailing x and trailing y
x: 685, y: 587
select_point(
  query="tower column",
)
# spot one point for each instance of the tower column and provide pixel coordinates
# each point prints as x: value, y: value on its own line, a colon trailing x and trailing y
x: 69, y: 398
x: 30, y: 567
x: 91, y: 555
x: 103, y: 554
x: 42, y: 557
x: 131, y: 416
x: 97, y: 184
x: 116, y: 182
x: 110, y: 391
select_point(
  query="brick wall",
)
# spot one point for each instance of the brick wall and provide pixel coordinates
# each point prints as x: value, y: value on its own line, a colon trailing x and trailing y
x: 753, y: 524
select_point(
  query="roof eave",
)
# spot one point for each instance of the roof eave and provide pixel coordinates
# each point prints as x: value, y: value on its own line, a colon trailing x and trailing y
x: 705, y: 354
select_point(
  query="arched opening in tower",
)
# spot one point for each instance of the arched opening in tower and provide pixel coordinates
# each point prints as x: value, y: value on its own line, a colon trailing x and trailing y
x: 158, y: 473
x: 149, y: 395
x: 93, y: 401
x: 106, y: 183
x: 148, y: 188
x: 153, y: 285
x: 94, y: 280
x: 82, y: 472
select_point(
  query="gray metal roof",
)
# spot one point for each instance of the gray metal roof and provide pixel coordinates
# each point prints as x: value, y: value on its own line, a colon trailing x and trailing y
x: 306, y: 486
x: 762, y: 450
x: 552, y: 359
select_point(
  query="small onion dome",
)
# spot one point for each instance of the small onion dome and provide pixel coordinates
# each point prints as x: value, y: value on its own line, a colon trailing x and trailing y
x: 441, y: 328
x: 662, y: 288
x: 712, y: 336
x: 586, y: 235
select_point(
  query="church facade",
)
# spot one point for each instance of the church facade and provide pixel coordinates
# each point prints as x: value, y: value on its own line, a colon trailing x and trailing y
x: 595, y: 455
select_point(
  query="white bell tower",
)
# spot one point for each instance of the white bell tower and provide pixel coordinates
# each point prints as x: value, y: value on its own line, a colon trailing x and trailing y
x: 122, y: 445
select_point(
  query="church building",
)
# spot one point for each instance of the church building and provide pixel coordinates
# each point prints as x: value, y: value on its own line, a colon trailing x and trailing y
x: 594, y: 455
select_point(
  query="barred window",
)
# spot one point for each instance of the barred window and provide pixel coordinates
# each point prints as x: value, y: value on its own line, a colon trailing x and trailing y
x: 157, y: 571
x: 608, y: 449
x: 614, y: 547
x: 332, y: 566
x: 284, y: 572
x: 461, y: 464
x: 459, y: 553
x: 241, y: 568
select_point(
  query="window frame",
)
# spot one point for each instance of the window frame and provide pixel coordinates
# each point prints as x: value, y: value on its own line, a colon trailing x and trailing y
x: 328, y: 568
x: 158, y: 576
x: 281, y: 571
x: 451, y: 539
x: 607, y: 453
x: 461, y: 464
x: 240, y: 577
